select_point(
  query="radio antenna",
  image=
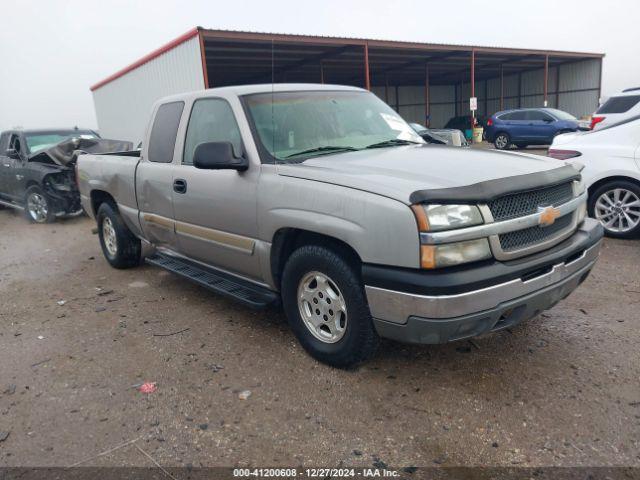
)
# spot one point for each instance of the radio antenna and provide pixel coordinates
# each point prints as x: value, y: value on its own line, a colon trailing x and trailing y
x: 273, y: 81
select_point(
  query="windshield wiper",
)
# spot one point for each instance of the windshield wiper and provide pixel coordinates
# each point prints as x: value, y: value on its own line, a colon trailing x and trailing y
x: 327, y: 149
x: 392, y: 143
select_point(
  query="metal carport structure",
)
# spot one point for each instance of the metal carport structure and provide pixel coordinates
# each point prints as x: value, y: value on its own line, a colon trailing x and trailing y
x: 419, y: 80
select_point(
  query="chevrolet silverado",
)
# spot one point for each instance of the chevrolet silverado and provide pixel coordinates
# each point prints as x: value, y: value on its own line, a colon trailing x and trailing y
x: 324, y: 200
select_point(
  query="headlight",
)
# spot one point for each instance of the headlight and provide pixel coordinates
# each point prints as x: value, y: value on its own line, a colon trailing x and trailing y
x: 59, y: 182
x: 449, y: 254
x: 433, y: 218
x: 448, y: 217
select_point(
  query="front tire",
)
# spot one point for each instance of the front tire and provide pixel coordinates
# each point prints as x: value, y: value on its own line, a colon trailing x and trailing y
x: 37, y: 206
x: 326, y: 306
x: 616, y: 204
x: 120, y: 247
x: 502, y: 141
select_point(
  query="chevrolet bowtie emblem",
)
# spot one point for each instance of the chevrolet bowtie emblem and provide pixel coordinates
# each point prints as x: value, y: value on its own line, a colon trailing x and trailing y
x: 548, y: 215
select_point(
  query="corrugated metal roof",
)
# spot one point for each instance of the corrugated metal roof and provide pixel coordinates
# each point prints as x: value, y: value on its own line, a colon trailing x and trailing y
x: 307, y: 40
x: 399, y: 43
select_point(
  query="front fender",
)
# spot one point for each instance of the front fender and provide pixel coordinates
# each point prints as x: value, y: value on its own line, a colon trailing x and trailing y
x: 381, y: 230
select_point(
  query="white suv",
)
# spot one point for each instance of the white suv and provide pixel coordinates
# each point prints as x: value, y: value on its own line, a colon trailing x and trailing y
x: 611, y: 159
x: 617, y: 108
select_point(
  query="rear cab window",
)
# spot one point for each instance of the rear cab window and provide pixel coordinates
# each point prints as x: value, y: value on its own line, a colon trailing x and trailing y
x: 620, y: 104
x: 162, y: 140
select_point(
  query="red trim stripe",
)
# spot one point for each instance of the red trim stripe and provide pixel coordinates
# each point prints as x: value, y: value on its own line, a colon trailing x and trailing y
x: 147, y: 58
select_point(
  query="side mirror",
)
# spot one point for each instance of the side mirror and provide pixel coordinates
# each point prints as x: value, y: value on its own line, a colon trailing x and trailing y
x: 12, y: 153
x: 218, y: 156
x: 549, y: 120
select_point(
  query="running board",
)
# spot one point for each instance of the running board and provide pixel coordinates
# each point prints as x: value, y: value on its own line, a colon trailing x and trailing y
x: 253, y: 296
x: 11, y: 205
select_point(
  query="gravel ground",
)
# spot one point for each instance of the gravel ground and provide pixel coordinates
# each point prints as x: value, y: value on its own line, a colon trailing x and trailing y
x: 77, y: 336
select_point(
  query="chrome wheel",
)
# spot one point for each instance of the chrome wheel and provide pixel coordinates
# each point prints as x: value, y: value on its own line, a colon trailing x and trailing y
x: 38, y: 207
x: 322, y: 307
x: 109, y: 237
x: 501, y: 142
x: 618, y: 210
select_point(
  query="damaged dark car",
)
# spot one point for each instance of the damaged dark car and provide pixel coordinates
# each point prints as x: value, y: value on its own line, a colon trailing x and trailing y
x: 37, y: 169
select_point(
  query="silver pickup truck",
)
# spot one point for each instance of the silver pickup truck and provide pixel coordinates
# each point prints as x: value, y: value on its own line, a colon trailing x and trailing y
x: 322, y: 199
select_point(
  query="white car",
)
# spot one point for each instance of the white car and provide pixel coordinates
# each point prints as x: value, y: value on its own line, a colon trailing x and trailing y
x: 611, y: 159
x: 617, y: 108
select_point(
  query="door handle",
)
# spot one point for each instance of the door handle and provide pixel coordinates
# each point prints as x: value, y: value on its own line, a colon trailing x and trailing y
x: 180, y: 185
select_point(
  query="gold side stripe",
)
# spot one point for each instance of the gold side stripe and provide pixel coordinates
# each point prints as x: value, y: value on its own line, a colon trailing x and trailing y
x: 158, y: 220
x: 223, y: 238
x: 230, y: 240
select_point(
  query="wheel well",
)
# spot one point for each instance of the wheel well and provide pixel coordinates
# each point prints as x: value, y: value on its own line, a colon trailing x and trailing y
x: 32, y: 183
x: 287, y: 240
x: 495, y: 135
x: 98, y: 197
x: 605, y: 180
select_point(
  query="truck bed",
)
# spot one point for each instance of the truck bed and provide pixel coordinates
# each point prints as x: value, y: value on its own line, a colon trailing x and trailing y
x: 113, y: 174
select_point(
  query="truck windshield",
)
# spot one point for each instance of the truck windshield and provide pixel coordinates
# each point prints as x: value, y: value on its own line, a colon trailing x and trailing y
x: 293, y: 126
x: 43, y: 140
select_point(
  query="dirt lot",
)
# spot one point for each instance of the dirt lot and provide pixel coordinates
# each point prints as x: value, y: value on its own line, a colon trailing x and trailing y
x: 563, y: 389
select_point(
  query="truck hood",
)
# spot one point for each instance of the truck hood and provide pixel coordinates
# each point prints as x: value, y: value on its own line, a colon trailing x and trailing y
x: 398, y: 172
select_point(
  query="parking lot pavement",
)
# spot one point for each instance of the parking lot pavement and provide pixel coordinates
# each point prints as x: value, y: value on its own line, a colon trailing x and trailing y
x: 77, y: 336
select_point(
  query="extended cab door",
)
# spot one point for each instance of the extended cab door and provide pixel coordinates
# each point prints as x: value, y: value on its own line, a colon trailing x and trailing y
x: 154, y: 176
x: 215, y: 210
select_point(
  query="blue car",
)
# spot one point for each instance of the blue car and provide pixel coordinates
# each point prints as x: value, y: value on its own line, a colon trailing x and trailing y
x: 528, y: 126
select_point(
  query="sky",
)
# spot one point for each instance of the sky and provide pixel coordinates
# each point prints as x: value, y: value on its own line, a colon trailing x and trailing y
x: 52, y: 51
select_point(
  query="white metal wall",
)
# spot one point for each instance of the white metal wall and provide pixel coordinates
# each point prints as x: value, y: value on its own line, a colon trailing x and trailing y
x: 123, y: 106
x: 578, y: 94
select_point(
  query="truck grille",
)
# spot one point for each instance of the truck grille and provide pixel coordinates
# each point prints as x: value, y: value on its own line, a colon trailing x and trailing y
x: 527, y: 203
x: 533, y: 235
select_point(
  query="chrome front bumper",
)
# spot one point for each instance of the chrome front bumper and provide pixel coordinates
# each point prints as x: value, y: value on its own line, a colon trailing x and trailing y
x: 441, y: 318
x: 397, y: 307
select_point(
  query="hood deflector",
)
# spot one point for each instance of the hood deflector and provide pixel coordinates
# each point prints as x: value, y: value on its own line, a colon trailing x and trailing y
x: 488, y: 190
x: 67, y: 151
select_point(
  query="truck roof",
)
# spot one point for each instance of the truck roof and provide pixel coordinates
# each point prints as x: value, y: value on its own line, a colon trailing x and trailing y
x: 260, y: 88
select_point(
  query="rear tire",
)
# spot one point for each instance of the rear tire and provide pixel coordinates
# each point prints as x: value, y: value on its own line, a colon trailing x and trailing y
x: 120, y: 247
x: 325, y: 288
x: 502, y: 141
x: 616, y: 204
x: 37, y: 206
